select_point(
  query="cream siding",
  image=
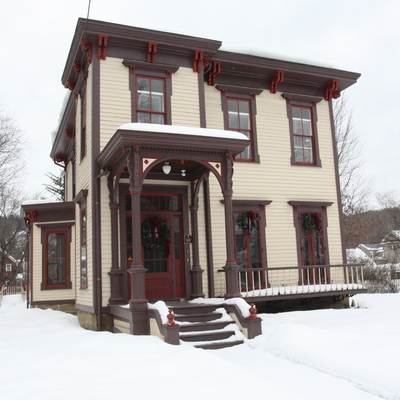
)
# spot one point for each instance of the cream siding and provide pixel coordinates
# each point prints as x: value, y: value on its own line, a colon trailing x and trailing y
x: 185, y: 98
x: 274, y: 178
x: 36, y: 259
x: 115, y: 98
x: 84, y: 182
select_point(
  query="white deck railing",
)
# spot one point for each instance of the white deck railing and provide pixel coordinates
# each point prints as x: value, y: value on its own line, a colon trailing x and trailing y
x: 265, y: 282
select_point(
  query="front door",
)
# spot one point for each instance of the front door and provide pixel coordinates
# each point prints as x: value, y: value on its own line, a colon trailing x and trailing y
x: 162, y: 245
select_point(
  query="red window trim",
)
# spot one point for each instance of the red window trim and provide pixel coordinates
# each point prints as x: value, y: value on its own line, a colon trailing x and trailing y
x: 242, y: 94
x: 83, y: 214
x: 151, y: 112
x: 83, y: 123
x: 302, y: 101
x: 46, y: 231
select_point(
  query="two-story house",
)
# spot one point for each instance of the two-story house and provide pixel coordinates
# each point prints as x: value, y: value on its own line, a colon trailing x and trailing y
x: 190, y: 172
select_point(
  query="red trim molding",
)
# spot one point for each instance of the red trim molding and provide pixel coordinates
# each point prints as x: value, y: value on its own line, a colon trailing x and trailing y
x: 332, y: 90
x: 102, y: 42
x: 70, y: 133
x: 215, y: 70
x: 71, y: 85
x: 197, y: 60
x: 77, y: 67
x: 151, y: 52
x: 87, y: 48
x: 276, y: 78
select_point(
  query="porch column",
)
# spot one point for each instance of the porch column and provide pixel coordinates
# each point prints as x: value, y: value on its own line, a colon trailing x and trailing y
x: 231, y: 268
x: 196, y: 271
x: 115, y: 272
x: 138, y: 300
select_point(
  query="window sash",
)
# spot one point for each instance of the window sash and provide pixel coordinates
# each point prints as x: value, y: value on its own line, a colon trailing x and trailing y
x: 150, y: 100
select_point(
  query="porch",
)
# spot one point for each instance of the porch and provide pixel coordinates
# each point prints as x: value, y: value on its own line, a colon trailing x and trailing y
x: 270, y: 284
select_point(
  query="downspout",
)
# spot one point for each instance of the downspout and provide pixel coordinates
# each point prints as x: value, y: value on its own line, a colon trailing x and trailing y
x: 97, y: 256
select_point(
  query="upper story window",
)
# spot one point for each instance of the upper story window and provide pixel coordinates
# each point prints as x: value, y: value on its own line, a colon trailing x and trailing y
x: 150, y: 100
x: 151, y: 90
x: 8, y: 267
x: 302, y: 115
x: 239, y: 109
x: 83, y: 124
x: 239, y: 119
x: 303, y: 137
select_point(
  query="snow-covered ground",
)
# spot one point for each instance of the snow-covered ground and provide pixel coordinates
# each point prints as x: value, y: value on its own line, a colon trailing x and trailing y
x: 326, y: 354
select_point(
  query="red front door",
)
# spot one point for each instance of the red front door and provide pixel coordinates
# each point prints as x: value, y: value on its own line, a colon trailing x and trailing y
x: 162, y: 246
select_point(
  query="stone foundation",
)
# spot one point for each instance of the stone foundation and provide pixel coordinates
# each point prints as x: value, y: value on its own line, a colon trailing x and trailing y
x: 68, y: 308
x: 88, y: 321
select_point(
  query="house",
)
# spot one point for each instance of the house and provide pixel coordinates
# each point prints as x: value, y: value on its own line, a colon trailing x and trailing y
x: 374, y: 251
x: 8, y: 266
x: 391, y: 247
x: 191, y: 172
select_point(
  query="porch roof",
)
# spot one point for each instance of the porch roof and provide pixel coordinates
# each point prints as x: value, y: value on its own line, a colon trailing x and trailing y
x: 170, y: 140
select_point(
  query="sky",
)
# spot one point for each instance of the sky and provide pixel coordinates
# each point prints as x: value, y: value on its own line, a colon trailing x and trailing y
x: 303, y: 355
x: 355, y: 35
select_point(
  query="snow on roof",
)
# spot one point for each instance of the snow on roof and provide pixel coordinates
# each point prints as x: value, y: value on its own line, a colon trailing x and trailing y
x: 356, y: 253
x: 183, y: 130
x: 396, y: 233
x: 47, y: 201
x: 274, y: 56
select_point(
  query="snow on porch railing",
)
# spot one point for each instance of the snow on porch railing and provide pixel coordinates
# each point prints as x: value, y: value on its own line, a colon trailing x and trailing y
x: 265, y: 282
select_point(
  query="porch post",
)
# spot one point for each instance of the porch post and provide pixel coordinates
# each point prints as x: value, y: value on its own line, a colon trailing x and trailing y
x: 231, y: 268
x: 138, y: 300
x: 115, y: 272
x: 196, y: 271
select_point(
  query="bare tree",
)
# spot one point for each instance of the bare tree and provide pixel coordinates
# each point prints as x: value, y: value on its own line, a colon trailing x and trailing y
x: 10, y: 148
x: 390, y: 204
x: 355, y: 190
x: 57, y: 185
x: 12, y: 235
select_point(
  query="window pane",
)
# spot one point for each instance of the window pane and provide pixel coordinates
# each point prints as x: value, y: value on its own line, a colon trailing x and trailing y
x: 144, y: 118
x: 157, y: 103
x: 144, y: 101
x: 307, y: 156
x: 232, y: 106
x: 296, y: 111
x: 244, y: 121
x: 305, y: 113
x: 298, y: 155
x: 245, y: 154
x: 157, y: 86
x: 233, y: 121
x: 298, y: 142
x: 307, y: 143
x: 143, y: 84
x: 297, y: 127
x: 307, y: 128
x: 51, y: 243
x: 243, y: 107
x: 157, y: 119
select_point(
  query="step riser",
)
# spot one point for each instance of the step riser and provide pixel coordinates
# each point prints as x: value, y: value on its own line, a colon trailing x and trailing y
x: 204, y: 327
x: 189, y: 310
x: 198, y: 318
x: 216, y: 346
x: 207, y: 336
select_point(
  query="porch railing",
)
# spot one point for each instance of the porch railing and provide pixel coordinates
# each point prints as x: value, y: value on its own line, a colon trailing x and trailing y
x: 266, y: 282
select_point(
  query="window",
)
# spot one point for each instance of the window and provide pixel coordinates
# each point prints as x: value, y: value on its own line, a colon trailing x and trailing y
x: 310, y: 220
x: 303, y: 138
x: 8, y: 267
x: 302, y: 115
x: 239, y: 119
x: 56, y: 239
x: 151, y: 91
x: 150, y: 100
x: 239, y: 109
x: 84, y: 282
x: 83, y: 124
x: 249, y: 223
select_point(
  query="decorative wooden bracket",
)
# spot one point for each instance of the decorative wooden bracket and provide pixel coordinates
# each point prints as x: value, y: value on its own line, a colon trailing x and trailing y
x: 71, y: 85
x: 276, y: 78
x: 151, y: 52
x: 61, y: 159
x: 215, y: 70
x: 30, y: 216
x: 102, y: 42
x: 87, y: 48
x: 77, y: 67
x: 70, y: 133
x: 332, y: 90
x: 197, y: 59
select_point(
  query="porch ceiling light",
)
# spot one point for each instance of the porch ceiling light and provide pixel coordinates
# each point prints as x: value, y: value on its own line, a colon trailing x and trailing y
x: 166, y: 168
x: 183, y: 172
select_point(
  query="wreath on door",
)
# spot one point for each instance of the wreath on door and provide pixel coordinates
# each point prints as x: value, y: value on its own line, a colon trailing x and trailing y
x: 313, y: 221
x: 155, y: 233
x: 247, y: 221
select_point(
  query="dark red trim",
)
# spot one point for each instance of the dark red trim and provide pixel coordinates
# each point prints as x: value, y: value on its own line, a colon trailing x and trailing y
x: 87, y: 47
x: 276, y: 78
x: 151, y: 52
x: 198, y: 60
x: 102, y: 41
x: 332, y: 90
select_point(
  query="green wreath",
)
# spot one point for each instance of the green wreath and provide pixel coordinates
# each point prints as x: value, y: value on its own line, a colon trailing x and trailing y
x: 247, y: 221
x: 155, y: 233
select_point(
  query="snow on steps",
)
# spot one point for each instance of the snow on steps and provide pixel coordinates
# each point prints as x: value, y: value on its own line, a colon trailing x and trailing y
x: 206, y: 326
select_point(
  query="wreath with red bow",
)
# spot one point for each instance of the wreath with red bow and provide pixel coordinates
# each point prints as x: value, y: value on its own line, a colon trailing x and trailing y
x: 155, y: 233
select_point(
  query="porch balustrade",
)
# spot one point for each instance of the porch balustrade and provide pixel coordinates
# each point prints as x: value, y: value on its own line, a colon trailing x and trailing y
x: 271, y: 282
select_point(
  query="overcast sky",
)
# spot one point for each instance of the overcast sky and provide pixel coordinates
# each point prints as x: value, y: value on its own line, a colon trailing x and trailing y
x: 356, y: 35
